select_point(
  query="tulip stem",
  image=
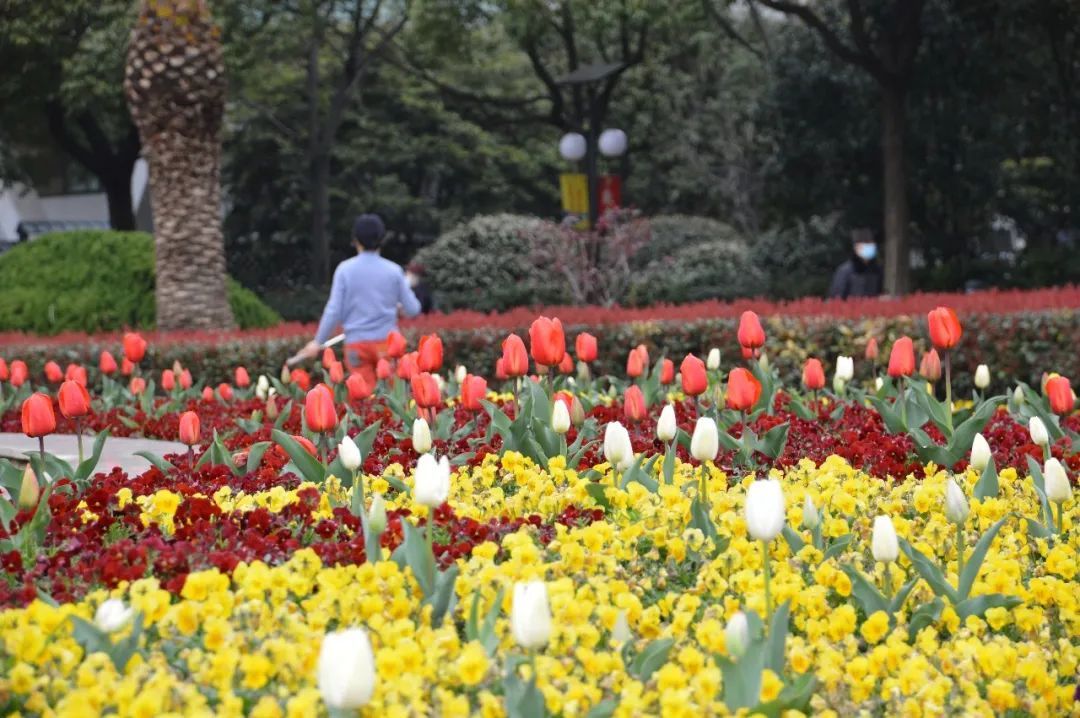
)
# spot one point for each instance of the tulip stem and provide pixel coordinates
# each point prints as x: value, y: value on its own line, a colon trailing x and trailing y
x: 902, y: 398
x: 959, y: 551
x: 888, y: 581
x: 431, y: 545
x: 704, y: 487
x: 41, y: 448
x: 768, y: 578
x: 78, y: 437
x: 358, y: 486
x: 1061, y: 517
x: 322, y: 447
x: 948, y: 390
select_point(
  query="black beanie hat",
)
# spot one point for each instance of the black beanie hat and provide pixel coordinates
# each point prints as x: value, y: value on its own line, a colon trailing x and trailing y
x: 368, y: 230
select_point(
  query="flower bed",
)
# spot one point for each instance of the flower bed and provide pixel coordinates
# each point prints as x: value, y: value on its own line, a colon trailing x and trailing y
x: 806, y: 557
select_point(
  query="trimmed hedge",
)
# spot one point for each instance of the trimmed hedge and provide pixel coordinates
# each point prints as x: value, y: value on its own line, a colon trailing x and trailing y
x: 94, y: 280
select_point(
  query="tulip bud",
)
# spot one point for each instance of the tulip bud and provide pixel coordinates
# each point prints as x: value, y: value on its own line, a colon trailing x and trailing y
x: 765, y: 509
x: 838, y: 384
x: 286, y: 375
x: 1037, y: 429
x: 583, y: 373
x: 878, y: 383
x: 560, y: 418
x: 29, y: 490
x: 112, y: 615
x: 956, y: 505
x: 620, y: 633
x: 421, y: 436
x: 271, y: 406
x: 617, y: 447
x: 1018, y: 395
x: 712, y: 361
x: 980, y: 453
x: 577, y: 412
x: 737, y: 635
x: 377, y: 515
x: 349, y: 453
x: 763, y: 362
x: 1056, y: 481
x: 845, y: 368
x: 346, y: 670
x: 262, y: 386
x: 530, y: 616
x: 982, y: 376
x: 705, y: 442
x: 666, y: 427
x: 884, y: 544
x: 432, y: 481
x: 460, y: 373
x: 811, y: 519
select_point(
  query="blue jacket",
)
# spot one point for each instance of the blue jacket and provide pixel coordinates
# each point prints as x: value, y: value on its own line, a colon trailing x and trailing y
x: 364, y: 299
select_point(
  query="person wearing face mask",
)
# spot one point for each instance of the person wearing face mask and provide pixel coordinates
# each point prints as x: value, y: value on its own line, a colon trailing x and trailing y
x: 860, y: 275
x: 414, y: 275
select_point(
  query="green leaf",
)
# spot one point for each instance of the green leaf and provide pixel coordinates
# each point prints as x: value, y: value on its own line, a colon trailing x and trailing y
x: 890, y: 418
x: 443, y: 597
x: 668, y: 469
x: 923, y: 616
x: 1036, y: 529
x: 975, y: 561
x: 162, y: 465
x: 86, y: 468
x: 801, y: 410
x: 742, y: 679
x: 255, y: 455
x: 598, y: 492
x: 772, y: 443
x: 794, y: 540
x: 929, y: 572
x: 978, y: 605
x: 310, y: 467
x: 987, y: 485
x: 603, y: 709
x: 774, y: 644
x: 414, y: 553
x: 837, y: 547
x: 700, y: 519
x: 651, y: 658
x: 867, y: 594
x: 901, y: 596
x: 964, y: 435
x: 1040, y: 488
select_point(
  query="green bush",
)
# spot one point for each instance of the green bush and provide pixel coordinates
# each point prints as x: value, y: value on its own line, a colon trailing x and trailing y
x: 800, y: 261
x: 93, y: 280
x: 486, y: 264
x: 676, y: 232
x: 718, y: 269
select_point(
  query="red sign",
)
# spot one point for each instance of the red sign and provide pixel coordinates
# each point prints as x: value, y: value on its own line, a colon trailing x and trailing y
x: 609, y: 190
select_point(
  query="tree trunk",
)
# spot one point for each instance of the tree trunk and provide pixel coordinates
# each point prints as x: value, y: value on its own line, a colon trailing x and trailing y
x: 188, y: 245
x: 118, y: 195
x: 897, y: 249
x: 320, y: 216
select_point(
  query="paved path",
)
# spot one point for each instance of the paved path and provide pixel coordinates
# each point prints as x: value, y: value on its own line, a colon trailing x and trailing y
x: 116, y: 452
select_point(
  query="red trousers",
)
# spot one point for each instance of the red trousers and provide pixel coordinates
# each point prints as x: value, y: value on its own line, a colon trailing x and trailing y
x: 362, y: 357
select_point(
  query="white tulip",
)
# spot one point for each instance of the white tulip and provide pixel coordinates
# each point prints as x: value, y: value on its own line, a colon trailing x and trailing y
x: 460, y: 373
x: 980, y: 453
x: 346, y: 670
x: 617, y: 447
x: 441, y: 382
x: 376, y: 516
x: 1018, y: 396
x: 956, y: 505
x: 763, y: 362
x: 712, y: 361
x: 982, y: 376
x: 1056, y: 481
x: 349, y: 453
x: 530, y: 616
x: 620, y: 633
x: 705, y: 443
x: 1037, y: 429
x: 737, y: 635
x: 884, y: 545
x: 878, y: 383
x: 845, y: 368
x: 765, y: 509
x: 811, y: 519
x: 666, y: 428
x: 432, y: 481
x: 421, y: 436
x: 112, y: 615
x: 560, y: 418
x: 262, y: 386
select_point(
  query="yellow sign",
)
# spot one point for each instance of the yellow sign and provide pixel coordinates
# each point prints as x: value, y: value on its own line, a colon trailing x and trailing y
x: 575, y: 193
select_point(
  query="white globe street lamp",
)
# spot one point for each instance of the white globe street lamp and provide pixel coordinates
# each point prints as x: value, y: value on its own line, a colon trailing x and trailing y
x: 612, y: 143
x: 572, y: 146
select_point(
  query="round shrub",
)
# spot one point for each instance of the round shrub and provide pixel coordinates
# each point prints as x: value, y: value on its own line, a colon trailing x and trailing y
x: 675, y: 232
x: 94, y: 280
x: 719, y: 269
x: 486, y: 264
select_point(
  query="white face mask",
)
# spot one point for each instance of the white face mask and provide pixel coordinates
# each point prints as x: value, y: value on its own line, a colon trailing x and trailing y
x: 866, y: 252
x: 412, y: 279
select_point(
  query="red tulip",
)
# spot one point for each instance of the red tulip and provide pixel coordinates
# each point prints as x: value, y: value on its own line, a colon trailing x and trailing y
x: 38, y: 418
x: 306, y: 443
x: 751, y: 335
x: 547, y: 341
x: 667, y: 372
x: 566, y: 366
x: 337, y: 372
x: 106, y: 363
x: 945, y: 329
x: 189, y: 428
x: 585, y: 347
x: 126, y: 367
x: 813, y: 374
x: 320, y: 414
x: 19, y: 373
x: 408, y: 367
x: 871, y: 349
x: 4, y: 371
x: 634, y: 403
x: 930, y: 367
x: 358, y: 387
x: 500, y: 369
x: 382, y: 369
x: 743, y: 390
x: 637, y: 361
x: 395, y: 345
x: 695, y: 380
x: 902, y: 358
x: 1060, y: 394
x: 566, y: 398
x: 425, y: 390
x: 137, y: 385
x: 168, y: 380
x: 301, y: 378
x: 241, y: 376
x: 328, y: 357
x: 53, y: 373
x: 74, y: 399
x: 515, y: 358
x: 185, y: 379
x: 748, y: 353
x: 76, y: 372
x: 207, y: 394
x: 473, y: 390
x: 430, y: 353
x: 225, y: 392
x: 134, y: 347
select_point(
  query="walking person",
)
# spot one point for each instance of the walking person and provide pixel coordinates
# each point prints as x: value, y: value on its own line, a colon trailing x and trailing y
x: 860, y: 275
x: 366, y: 295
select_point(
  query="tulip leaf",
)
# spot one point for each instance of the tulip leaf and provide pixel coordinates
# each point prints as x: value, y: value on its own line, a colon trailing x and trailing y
x: 867, y: 594
x: 900, y: 598
x: 742, y: 679
x: 699, y: 519
x: 1040, y: 488
x: 598, y: 492
x: 987, y: 485
x: 890, y: 418
x: 7, y: 512
x: 668, y: 469
x: 310, y: 467
x: 837, y: 547
x: 801, y: 410
x: 651, y: 658
x: 924, y: 616
x: 964, y: 435
x: 795, y: 696
x: 1036, y: 529
x: 978, y: 605
x: 443, y: 598
x: 727, y: 441
x: 603, y: 709
x: 255, y: 455
x: 283, y: 416
x: 794, y: 540
x: 541, y: 404
x: 413, y: 552
x: 161, y: 464
x: 773, y: 441
x: 975, y: 560
x: 929, y: 572
x: 777, y: 639
x: 86, y: 468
